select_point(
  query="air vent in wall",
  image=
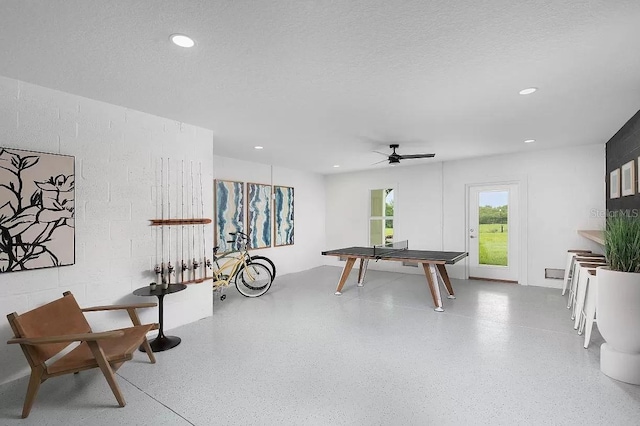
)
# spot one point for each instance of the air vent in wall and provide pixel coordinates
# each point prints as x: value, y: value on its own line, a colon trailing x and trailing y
x: 554, y: 274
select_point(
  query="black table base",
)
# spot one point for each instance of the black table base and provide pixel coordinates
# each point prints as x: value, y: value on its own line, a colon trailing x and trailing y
x: 162, y: 343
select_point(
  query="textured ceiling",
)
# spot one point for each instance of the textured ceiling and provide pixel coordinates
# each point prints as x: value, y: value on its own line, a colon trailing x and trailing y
x: 326, y: 82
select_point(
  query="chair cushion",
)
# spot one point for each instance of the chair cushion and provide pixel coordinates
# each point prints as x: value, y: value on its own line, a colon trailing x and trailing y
x: 116, y: 350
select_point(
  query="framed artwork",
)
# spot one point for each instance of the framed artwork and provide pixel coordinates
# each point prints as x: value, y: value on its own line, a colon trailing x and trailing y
x: 614, y: 184
x: 638, y: 191
x: 628, y: 177
x: 259, y: 215
x: 283, y: 215
x: 37, y: 210
x: 229, y: 211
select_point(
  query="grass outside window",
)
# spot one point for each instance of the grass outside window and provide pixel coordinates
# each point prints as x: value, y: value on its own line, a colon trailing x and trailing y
x: 493, y: 241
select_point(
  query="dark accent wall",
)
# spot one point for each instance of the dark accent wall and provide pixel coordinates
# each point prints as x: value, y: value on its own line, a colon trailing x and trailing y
x: 623, y: 147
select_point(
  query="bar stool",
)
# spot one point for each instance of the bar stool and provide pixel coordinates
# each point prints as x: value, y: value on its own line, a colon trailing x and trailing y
x: 588, y: 316
x: 582, y: 267
x: 571, y: 254
x: 581, y: 290
x: 573, y: 280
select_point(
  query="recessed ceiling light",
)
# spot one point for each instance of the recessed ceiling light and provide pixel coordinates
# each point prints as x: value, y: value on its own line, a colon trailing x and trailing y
x: 529, y: 140
x: 182, y: 40
x: 258, y: 147
x: 528, y: 91
x: 335, y: 166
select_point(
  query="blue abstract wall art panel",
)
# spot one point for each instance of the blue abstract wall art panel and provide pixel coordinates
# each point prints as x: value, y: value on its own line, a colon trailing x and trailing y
x: 283, y: 215
x: 259, y: 215
x: 229, y: 198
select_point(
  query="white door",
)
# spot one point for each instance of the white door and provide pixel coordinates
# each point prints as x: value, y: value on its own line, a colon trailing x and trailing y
x: 493, y: 233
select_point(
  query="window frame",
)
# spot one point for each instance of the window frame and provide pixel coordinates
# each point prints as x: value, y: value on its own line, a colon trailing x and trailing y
x: 384, y: 217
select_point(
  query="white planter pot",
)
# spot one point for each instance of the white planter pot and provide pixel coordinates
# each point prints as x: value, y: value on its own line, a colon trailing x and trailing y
x: 618, y: 312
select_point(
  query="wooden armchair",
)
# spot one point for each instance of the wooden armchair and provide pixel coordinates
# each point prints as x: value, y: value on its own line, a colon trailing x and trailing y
x: 45, y: 331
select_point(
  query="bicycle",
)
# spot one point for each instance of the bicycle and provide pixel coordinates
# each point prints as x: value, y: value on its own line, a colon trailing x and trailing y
x: 252, y: 279
x: 257, y: 258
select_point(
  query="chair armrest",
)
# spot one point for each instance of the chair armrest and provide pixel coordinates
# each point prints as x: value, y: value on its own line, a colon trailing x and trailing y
x: 119, y: 307
x: 84, y: 337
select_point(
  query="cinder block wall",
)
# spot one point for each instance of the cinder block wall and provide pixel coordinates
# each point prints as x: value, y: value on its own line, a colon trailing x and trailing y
x: 117, y: 153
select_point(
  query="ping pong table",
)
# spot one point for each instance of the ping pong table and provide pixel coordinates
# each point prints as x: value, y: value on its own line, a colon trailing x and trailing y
x: 433, y: 264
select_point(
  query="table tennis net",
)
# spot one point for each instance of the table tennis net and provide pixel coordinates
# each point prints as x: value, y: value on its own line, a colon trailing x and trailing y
x: 389, y: 248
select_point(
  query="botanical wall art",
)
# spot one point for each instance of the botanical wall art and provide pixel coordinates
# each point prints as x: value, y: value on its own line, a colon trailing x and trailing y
x: 229, y: 199
x: 37, y: 228
x: 259, y: 215
x: 283, y: 215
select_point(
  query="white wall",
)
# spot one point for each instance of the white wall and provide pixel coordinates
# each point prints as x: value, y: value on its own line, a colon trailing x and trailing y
x: 564, y: 187
x: 417, y: 213
x: 309, y: 210
x: 116, y: 151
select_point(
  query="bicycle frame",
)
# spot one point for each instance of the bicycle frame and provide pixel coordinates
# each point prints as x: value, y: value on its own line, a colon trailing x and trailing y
x: 231, y: 263
x: 238, y: 262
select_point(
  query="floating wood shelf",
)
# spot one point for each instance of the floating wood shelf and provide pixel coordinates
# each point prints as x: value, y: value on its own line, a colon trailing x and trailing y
x: 197, y: 280
x: 593, y: 235
x: 196, y: 221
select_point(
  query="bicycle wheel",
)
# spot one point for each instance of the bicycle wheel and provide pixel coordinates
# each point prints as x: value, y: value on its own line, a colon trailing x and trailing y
x: 253, y: 280
x: 270, y: 265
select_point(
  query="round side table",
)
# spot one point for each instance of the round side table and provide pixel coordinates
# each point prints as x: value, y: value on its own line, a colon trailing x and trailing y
x: 161, y: 342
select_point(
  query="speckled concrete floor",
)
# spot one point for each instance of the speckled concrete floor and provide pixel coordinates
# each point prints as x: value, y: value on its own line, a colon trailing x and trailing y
x: 377, y: 355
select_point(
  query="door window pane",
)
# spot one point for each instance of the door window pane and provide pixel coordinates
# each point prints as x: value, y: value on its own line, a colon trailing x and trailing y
x: 388, y: 231
x: 381, y: 216
x: 493, y: 228
x: 388, y: 203
x: 377, y: 202
x: 375, y: 231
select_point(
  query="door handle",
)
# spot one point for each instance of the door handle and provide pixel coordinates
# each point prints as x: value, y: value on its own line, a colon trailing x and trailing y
x: 472, y: 236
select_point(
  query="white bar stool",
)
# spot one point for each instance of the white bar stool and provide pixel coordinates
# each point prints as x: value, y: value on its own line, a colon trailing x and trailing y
x: 581, y: 290
x: 571, y: 254
x: 575, y: 270
x: 588, y: 316
x: 578, y: 283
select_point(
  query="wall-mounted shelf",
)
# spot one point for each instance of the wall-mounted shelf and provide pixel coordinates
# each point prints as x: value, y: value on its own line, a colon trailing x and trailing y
x: 593, y: 235
x: 196, y: 221
x: 196, y: 281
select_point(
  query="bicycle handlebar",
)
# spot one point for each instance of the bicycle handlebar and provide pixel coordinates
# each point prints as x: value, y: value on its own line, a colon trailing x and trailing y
x: 238, y: 233
x: 239, y: 237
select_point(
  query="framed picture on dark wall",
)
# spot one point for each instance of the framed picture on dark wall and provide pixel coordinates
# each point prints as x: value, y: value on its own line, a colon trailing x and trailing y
x: 638, y: 190
x: 627, y: 175
x: 614, y: 184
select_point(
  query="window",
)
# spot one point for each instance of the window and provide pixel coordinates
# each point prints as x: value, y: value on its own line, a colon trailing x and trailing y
x: 381, y: 216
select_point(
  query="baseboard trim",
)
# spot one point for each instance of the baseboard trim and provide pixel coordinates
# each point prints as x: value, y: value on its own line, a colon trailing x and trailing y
x: 494, y: 280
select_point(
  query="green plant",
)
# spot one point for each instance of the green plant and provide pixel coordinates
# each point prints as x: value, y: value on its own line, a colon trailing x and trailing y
x: 622, y: 243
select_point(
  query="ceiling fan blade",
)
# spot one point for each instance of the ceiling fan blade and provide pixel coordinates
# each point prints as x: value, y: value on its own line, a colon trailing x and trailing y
x: 406, y: 157
x: 381, y: 153
x: 381, y: 161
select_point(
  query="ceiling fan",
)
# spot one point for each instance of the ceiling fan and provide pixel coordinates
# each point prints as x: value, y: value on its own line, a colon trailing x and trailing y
x: 394, y: 158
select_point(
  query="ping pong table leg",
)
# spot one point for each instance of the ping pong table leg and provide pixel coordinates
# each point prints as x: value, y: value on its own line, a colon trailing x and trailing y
x: 432, y: 279
x: 345, y: 274
x: 364, y: 264
x: 442, y: 273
